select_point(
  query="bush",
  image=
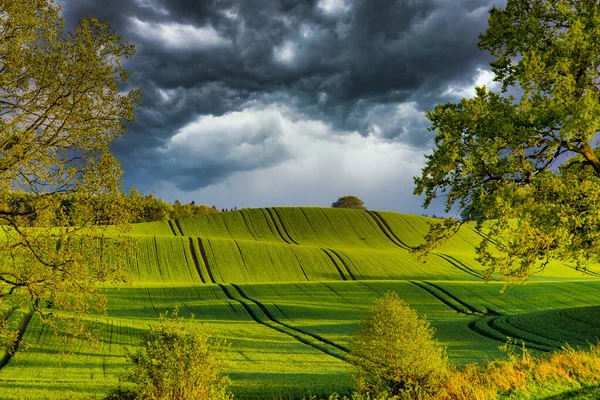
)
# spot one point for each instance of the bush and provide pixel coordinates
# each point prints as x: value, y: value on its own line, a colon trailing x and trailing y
x: 349, y: 202
x: 179, y: 361
x: 394, y: 352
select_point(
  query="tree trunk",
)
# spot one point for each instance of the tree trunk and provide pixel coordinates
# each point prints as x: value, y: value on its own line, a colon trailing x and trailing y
x: 588, y: 153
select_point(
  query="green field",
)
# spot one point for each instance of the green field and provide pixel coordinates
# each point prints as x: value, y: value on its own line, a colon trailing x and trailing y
x: 287, y: 287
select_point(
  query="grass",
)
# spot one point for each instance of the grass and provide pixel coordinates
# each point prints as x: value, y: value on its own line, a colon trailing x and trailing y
x: 287, y: 287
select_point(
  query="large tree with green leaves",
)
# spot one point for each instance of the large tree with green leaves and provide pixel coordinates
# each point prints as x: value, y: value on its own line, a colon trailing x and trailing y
x: 60, y: 109
x: 531, y: 165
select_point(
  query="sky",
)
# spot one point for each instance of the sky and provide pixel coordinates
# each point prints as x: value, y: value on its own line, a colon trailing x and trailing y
x: 256, y: 103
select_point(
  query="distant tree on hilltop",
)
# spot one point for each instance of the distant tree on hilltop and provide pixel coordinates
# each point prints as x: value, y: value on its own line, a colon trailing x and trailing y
x: 349, y: 202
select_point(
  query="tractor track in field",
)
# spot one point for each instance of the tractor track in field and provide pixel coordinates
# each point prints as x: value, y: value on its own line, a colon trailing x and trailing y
x: 268, y: 210
x: 339, y: 270
x: 584, y: 271
x: 352, y: 277
x: 42, y: 332
x: 453, y: 305
x: 526, y: 333
x: 277, y: 221
x: 300, y: 265
x: 205, y: 259
x: 283, y: 225
x: 172, y: 227
x: 387, y: 231
x: 244, y: 356
x: 233, y: 309
x: 272, y: 225
x: 17, y: 342
x: 195, y: 260
x: 483, y: 235
x: 272, y: 318
x: 486, y: 327
x: 472, y: 309
x: 461, y: 266
x: 339, y: 295
x: 273, y: 323
x: 179, y: 227
x: 389, y: 228
x: 564, y: 313
x: 151, y: 302
x: 249, y: 226
x: 157, y: 258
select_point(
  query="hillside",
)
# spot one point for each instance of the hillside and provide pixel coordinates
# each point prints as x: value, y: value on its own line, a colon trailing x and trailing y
x: 287, y: 286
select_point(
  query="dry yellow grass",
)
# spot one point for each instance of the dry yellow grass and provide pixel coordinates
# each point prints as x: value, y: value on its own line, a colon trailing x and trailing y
x: 521, y: 374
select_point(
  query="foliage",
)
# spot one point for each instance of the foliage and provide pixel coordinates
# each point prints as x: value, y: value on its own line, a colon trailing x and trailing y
x: 149, y: 208
x: 349, y: 202
x: 394, y: 351
x: 60, y: 109
x: 531, y: 160
x: 179, y: 360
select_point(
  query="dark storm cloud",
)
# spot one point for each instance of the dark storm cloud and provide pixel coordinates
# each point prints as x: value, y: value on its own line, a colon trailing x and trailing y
x: 348, y: 63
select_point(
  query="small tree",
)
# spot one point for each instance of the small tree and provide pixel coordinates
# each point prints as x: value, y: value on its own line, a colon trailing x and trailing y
x: 179, y: 361
x: 349, y: 202
x: 394, y: 351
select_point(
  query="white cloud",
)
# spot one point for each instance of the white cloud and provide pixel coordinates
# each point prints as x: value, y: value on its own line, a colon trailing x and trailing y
x: 310, y: 163
x: 483, y: 77
x: 245, y: 138
x: 285, y: 53
x: 178, y: 35
x: 333, y: 6
x: 232, y: 13
x: 167, y: 95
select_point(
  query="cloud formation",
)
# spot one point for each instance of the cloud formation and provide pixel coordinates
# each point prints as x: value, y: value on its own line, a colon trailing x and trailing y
x: 242, y: 88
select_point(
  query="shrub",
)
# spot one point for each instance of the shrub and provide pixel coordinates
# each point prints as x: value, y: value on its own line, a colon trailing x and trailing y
x: 179, y: 360
x: 394, y: 351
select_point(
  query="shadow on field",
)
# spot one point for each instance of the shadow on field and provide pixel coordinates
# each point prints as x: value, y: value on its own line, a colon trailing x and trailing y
x: 289, y: 386
x: 586, y: 393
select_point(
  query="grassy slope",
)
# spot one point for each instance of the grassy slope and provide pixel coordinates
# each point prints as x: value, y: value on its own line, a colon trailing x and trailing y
x: 287, y: 286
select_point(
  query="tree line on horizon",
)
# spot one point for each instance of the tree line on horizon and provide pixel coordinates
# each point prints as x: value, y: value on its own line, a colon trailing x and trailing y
x: 140, y: 207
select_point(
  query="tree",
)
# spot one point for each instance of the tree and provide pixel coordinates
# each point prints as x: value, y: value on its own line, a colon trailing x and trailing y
x: 395, y: 352
x: 60, y: 109
x: 179, y: 360
x: 349, y: 202
x: 531, y: 163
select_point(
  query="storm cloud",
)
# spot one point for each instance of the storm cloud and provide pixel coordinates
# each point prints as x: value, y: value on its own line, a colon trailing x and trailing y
x: 325, y: 97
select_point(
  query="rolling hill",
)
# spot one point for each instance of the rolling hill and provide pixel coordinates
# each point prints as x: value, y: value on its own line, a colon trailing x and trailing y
x: 287, y: 287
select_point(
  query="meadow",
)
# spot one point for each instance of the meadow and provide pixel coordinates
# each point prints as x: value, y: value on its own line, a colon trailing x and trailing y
x: 286, y: 287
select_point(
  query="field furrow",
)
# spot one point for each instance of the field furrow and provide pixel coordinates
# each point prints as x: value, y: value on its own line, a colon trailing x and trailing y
x: 261, y: 315
x: 195, y: 260
x: 18, y: 338
x: 461, y: 266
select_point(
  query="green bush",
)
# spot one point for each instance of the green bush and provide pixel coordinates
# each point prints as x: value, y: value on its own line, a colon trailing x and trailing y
x: 179, y: 360
x: 395, y: 353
